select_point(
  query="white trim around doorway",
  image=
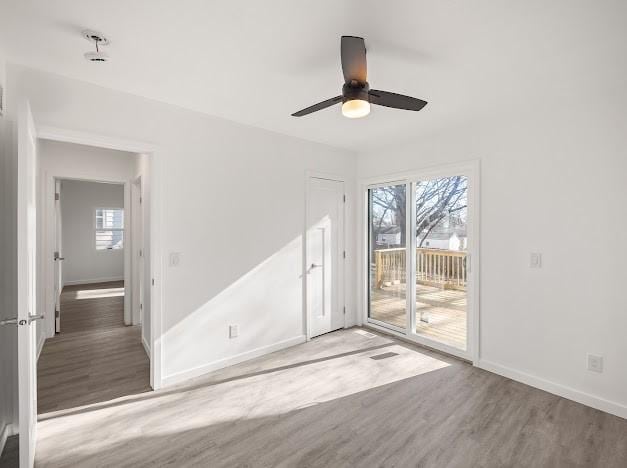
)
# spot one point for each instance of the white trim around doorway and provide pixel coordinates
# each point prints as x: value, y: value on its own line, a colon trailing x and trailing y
x: 156, y: 294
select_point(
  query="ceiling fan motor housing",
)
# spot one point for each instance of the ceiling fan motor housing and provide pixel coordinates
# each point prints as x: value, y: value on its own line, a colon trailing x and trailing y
x: 359, y: 91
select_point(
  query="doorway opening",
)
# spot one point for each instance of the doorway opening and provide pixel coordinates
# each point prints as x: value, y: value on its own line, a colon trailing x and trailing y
x: 96, y: 344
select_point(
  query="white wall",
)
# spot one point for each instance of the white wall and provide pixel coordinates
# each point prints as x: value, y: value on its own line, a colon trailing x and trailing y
x: 232, y: 205
x: 552, y: 179
x: 72, y: 161
x: 83, y: 263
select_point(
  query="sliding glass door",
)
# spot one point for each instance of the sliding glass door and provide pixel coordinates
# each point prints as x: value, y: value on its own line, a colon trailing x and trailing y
x: 387, y: 252
x: 419, y: 239
x: 441, y: 237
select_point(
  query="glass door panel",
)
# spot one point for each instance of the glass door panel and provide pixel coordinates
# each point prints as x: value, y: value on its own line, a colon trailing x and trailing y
x: 441, y: 216
x: 387, y: 254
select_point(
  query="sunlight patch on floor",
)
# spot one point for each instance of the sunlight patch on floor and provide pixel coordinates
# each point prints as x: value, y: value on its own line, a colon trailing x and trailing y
x: 98, y: 293
x: 258, y: 391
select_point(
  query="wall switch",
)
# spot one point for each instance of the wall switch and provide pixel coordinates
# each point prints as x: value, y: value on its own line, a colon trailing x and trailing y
x: 175, y: 259
x: 595, y: 363
x: 535, y: 260
x: 233, y: 331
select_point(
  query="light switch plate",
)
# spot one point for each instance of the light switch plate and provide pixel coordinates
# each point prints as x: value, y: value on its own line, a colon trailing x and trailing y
x: 175, y: 259
x: 535, y: 260
x: 233, y: 331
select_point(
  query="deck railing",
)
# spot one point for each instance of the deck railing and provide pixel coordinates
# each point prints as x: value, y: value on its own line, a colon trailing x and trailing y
x: 438, y: 267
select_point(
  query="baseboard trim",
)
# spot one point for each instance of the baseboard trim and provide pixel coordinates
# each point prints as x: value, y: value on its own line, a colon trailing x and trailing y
x: 230, y: 361
x: 146, y: 346
x: 569, y: 393
x: 94, y: 280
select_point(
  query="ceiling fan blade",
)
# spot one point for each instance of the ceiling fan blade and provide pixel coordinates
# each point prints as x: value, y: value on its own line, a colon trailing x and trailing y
x: 397, y: 101
x: 317, y: 107
x: 353, y: 54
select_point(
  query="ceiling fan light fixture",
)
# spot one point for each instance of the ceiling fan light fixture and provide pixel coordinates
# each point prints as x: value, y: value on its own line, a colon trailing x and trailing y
x: 355, y: 108
x: 356, y: 94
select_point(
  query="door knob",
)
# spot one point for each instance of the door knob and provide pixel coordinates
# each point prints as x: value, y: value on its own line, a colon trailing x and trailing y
x: 32, y: 318
x: 15, y: 321
x: 313, y: 265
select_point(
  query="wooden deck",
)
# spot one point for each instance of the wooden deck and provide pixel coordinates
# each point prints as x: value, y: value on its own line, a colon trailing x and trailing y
x: 443, y: 311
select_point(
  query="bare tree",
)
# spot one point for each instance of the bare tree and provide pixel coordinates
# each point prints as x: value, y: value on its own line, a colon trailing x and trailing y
x: 436, y: 200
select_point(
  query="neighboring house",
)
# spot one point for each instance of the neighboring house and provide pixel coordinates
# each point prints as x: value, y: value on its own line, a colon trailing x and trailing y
x: 449, y: 235
x: 389, y: 236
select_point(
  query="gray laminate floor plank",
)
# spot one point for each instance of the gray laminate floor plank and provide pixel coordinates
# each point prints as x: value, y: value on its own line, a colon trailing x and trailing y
x: 327, y: 403
x: 95, y: 357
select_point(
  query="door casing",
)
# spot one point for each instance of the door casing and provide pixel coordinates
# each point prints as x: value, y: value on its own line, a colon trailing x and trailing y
x: 155, y: 228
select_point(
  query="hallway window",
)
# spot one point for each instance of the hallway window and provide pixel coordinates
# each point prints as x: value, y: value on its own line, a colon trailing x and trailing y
x: 109, y: 228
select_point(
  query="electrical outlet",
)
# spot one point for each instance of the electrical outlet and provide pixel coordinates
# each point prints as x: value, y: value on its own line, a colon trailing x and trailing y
x: 175, y: 259
x: 233, y: 331
x: 595, y: 363
x: 535, y: 260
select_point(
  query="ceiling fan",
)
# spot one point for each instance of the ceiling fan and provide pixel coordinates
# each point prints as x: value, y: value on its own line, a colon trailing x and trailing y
x: 356, y: 93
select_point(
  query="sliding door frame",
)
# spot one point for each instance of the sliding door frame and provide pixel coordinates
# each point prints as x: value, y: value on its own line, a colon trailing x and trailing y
x: 470, y: 169
x: 367, y: 226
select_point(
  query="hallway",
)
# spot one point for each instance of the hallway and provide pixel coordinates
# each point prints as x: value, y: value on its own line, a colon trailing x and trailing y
x: 96, y: 357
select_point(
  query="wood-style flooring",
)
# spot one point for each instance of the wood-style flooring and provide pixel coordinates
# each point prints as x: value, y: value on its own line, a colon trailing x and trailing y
x: 96, y: 357
x: 346, y: 399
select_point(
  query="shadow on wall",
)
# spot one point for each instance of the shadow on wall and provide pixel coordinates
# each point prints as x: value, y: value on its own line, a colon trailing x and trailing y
x: 266, y: 303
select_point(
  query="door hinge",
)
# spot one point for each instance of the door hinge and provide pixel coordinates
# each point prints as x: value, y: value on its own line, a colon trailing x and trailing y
x: 141, y: 199
x: 57, y: 313
x: 344, y: 198
x: 153, y: 281
x: 141, y: 252
x: 57, y: 196
x: 141, y: 306
x: 344, y: 310
x: 344, y: 254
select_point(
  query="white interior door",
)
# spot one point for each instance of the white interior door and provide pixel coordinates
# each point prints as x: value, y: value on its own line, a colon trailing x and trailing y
x: 26, y: 286
x: 325, y: 256
x: 58, y: 256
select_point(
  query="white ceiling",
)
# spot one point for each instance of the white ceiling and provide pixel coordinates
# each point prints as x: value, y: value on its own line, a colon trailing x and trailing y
x: 257, y: 62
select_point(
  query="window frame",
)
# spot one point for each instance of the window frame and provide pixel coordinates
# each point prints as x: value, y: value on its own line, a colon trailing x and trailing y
x: 97, y: 229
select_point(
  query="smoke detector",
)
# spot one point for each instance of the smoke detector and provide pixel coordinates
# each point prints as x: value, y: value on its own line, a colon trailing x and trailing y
x: 100, y: 40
